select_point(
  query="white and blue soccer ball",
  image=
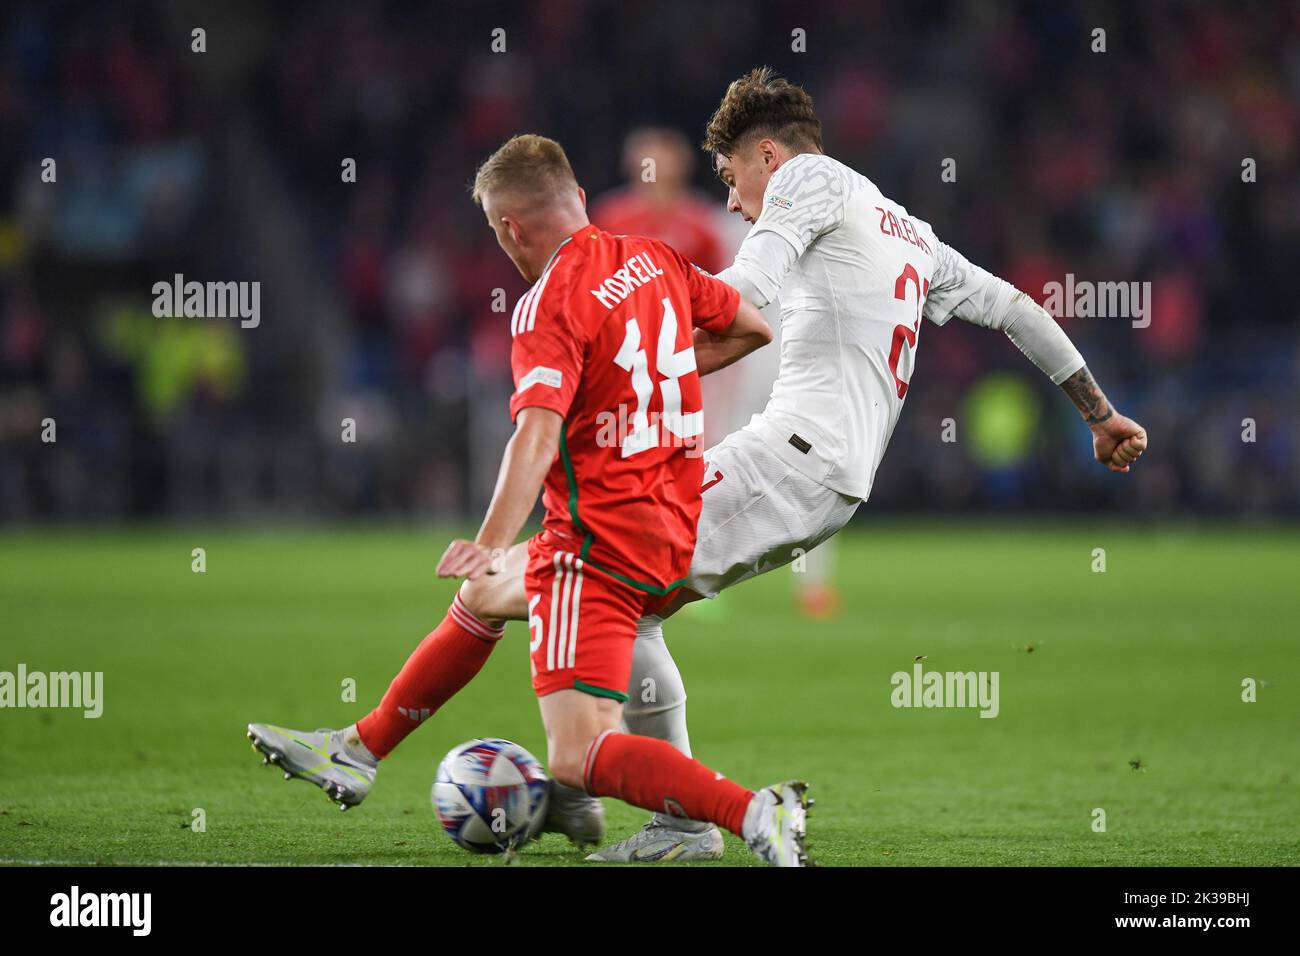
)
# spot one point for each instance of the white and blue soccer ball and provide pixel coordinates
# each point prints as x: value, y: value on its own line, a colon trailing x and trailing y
x: 490, y: 795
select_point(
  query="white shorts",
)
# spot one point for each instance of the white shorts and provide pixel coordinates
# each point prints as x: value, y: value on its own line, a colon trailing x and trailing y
x: 759, y: 513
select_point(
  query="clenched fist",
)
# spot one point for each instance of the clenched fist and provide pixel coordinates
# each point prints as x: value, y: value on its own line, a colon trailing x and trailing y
x: 1118, y: 442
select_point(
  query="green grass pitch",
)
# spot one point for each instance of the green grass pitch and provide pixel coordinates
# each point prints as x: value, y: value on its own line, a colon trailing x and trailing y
x: 1141, y: 664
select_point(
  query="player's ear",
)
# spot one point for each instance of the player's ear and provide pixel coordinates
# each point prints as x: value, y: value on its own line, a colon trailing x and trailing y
x: 582, y: 197
x: 512, y: 227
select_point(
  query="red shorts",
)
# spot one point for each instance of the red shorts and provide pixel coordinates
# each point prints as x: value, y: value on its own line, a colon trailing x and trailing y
x: 582, y: 622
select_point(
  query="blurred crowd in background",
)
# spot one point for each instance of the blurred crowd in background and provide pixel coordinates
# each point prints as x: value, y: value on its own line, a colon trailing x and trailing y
x: 379, y: 297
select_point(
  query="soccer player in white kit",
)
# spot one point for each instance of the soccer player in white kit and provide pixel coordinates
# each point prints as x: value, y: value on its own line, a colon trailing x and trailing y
x: 856, y: 274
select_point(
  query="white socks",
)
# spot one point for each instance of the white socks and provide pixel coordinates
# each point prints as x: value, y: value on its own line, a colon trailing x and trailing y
x: 656, y: 705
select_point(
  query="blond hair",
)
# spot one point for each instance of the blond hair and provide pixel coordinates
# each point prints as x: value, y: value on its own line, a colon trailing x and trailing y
x: 528, y: 165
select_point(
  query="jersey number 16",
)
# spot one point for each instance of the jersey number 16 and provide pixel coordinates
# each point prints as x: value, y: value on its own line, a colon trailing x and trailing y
x: 671, y: 365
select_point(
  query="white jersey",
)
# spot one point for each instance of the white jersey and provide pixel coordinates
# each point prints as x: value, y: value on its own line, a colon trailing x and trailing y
x: 864, y: 274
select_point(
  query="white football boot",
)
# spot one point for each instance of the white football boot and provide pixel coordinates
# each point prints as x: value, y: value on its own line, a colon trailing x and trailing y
x: 775, y: 825
x: 328, y: 758
x: 578, y: 816
x: 664, y: 840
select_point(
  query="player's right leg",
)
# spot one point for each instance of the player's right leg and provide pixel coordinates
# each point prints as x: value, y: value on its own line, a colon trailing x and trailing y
x: 584, y: 628
x: 656, y: 707
x: 759, y: 514
x: 586, y: 748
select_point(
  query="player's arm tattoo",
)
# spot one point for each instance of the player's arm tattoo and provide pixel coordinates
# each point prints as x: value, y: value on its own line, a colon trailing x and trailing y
x: 1087, y: 397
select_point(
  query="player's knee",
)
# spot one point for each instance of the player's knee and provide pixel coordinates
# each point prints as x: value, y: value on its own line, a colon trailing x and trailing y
x: 477, y: 596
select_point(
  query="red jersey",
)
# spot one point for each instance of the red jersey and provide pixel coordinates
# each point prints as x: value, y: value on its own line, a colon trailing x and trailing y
x: 605, y: 338
x: 688, y: 224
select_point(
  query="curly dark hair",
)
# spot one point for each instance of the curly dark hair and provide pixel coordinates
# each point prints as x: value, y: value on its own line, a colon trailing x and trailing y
x: 762, y: 104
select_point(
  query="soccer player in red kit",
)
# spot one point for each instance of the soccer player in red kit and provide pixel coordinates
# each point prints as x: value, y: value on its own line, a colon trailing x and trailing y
x: 608, y: 346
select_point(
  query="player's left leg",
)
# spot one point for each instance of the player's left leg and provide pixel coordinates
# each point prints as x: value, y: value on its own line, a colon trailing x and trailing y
x: 331, y: 759
x: 344, y: 763
x: 449, y: 659
x: 497, y: 598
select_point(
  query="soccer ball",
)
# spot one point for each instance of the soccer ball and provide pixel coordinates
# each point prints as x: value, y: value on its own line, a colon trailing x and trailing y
x: 490, y: 795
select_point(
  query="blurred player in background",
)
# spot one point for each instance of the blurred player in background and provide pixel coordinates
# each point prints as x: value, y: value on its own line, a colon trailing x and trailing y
x: 658, y: 201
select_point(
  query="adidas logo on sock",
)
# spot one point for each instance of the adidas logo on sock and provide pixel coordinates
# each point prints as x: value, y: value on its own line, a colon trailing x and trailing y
x: 419, y: 715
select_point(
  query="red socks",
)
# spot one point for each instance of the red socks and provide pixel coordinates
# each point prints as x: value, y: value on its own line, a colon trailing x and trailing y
x: 642, y: 771
x: 435, y: 672
x: 654, y: 775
